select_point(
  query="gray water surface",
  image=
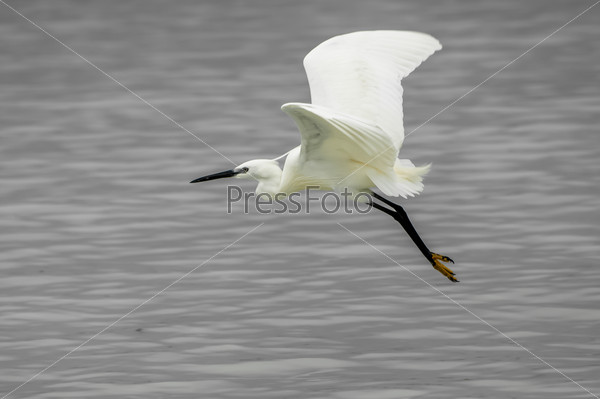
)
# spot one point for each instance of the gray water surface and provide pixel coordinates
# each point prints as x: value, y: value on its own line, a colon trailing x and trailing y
x: 97, y: 215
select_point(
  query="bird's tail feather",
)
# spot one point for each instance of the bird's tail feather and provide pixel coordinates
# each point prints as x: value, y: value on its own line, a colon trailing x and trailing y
x: 405, y: 181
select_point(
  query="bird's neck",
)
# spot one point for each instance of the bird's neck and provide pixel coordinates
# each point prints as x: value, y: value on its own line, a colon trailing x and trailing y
x: 270, y: 188
x: 269, y: 185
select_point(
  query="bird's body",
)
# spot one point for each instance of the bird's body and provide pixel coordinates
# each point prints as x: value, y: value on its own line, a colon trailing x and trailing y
x: 352, y: 131
x: 348, y: 173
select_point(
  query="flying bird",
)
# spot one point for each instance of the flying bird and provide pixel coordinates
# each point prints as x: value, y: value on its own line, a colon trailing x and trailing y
x: 352, y: 131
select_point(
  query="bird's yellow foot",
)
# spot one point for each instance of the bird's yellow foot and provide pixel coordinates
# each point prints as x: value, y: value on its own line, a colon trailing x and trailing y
x: 436, y: 261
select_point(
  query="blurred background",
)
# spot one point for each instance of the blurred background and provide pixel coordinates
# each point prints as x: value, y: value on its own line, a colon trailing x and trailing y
x: 97, y: 214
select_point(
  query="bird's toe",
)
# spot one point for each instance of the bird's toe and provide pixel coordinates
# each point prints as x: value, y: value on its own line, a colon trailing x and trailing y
x: 436, y: 262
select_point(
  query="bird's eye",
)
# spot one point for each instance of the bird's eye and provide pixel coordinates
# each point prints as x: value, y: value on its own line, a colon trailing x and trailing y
x: 245, y: 169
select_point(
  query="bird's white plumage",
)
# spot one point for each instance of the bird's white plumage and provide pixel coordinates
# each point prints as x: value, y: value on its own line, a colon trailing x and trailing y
x: 331, y: 137
x: 359, y: 74
x: 355, y: 121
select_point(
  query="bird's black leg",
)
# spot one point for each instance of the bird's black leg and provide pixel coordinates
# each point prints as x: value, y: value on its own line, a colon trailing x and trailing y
x: 400, y: 215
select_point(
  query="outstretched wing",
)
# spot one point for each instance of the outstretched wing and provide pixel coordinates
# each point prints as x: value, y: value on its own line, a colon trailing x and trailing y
x: 330, y: 136
x: 359, y: 74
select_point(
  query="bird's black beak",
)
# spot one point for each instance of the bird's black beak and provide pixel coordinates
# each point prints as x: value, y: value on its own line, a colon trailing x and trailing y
x: 220, y: 175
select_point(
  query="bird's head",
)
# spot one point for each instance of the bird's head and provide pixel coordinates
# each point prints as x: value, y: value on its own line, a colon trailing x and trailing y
x: 265, y: 171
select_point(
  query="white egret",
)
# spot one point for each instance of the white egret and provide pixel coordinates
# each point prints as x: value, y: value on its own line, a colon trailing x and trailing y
x: 353, y: 130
